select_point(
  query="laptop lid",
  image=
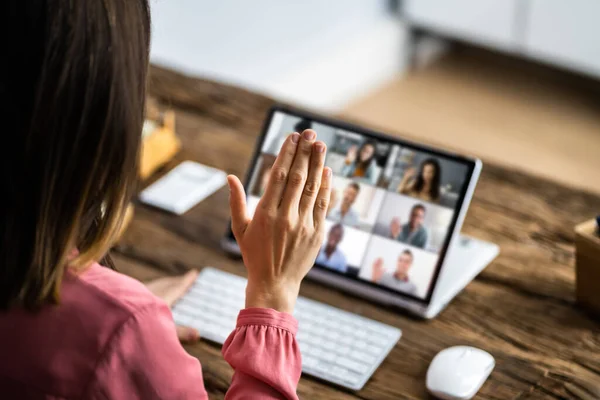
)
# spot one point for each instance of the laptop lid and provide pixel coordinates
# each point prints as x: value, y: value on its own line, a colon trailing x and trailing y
x: 396, y: 205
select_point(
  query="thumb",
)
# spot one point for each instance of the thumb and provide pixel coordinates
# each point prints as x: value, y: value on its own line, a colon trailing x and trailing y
x: 237, y: 204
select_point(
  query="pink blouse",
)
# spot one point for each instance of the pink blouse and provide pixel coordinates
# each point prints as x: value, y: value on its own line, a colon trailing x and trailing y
x: 110, y: 338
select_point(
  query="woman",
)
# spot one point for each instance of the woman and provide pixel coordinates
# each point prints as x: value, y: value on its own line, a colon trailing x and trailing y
x: 426, y: 185
x: 73, y: 87
x: 360, y: 163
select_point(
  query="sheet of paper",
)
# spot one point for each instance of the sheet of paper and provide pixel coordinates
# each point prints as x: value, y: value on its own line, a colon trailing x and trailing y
x: 185, y: 186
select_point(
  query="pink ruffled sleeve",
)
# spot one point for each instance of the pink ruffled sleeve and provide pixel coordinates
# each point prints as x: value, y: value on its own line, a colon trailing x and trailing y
x: 265, y: 355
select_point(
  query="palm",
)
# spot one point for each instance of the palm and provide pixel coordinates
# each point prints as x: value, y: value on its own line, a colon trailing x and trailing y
x: 352, y: 153
x: 377, y: 271
x: 409, y: 173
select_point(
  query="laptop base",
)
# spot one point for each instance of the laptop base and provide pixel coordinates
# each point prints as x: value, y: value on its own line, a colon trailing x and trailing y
x: 466, y: 259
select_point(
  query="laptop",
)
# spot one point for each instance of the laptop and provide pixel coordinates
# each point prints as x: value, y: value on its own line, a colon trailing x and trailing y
x: 393, y: 228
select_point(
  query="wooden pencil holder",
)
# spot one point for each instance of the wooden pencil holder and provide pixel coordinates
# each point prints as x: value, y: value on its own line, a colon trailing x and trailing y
x: 587, y: 268
x: 159, y: 146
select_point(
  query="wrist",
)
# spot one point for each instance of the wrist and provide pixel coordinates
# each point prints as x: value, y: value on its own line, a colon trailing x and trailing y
x: 278, y: 298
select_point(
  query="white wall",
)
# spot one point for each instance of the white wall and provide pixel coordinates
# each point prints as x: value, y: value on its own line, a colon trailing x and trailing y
x: 317, y: 53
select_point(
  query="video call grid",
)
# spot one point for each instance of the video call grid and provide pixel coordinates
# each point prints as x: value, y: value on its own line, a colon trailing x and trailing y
x: 379, y: 172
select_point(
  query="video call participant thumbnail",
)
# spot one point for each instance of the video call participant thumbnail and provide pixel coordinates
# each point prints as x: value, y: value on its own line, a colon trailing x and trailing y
x: 261, y: 178
x: 345, y: 214
x: 413, y: 232
x: 425, y: 184
x: 360, y: 163
x: 303, y: 125
x: 330, y: 255
x: 398, y: 280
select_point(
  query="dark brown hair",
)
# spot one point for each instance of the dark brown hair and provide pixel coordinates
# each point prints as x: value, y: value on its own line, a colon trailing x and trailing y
x: 418, y: 206
x: 408, y: 253
x: 434, y: 190
x: 72, y: 90
x: 364, y: 165
x: 355, y: 186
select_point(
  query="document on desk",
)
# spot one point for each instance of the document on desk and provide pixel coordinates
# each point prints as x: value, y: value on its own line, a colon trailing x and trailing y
x: 185, y: 186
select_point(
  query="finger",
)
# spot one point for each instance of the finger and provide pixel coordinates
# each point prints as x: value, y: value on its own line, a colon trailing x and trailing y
x: 188, y: 279
x: 313, y: 182
x: 279, y: 173
x: 298, y: 173
x: 322, y: 202
x: 186, y: 334
x: 237, y: 204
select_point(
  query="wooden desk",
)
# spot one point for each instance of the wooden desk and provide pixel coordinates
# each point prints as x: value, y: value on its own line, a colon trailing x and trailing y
x: 520, y: 309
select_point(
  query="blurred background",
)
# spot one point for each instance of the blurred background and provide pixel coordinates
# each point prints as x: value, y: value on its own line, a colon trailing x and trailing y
x: 515, y: 82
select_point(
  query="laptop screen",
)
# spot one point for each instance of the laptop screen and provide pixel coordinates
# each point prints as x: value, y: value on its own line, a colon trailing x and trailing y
x: 393, y: 205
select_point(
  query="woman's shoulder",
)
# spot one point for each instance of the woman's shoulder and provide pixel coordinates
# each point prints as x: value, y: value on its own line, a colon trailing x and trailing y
x: 104, y: 286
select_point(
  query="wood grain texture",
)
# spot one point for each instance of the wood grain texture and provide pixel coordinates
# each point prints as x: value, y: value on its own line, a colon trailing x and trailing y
x: 520, y: 309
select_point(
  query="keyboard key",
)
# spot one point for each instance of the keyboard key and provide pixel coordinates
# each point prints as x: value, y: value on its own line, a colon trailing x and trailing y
x: 322, y: 368
x: 328, y: 356
x: 334, y: 336
x: 306, y: 327
x: 376, y: 350
x: 303, y: 348
x: 360, y: 344
x: 188, y: 309
x: 379, y: 340
x: 329, y: 345
x: 312, y: 350
x: 309, y: 362
x: 381, y: 329
x: 352, y: 378
x: 316, y: 352
x: 352, y: 365
x: 347, y: 328
x: 363, y: 357
x: 312, y: 339
x: 339, y: 372
x: 347, y: 340
x: 318, y: 330
x: 361, y: 333
x: 181, y: 319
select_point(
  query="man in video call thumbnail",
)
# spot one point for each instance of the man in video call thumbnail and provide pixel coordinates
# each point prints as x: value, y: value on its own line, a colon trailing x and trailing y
x: 345, y: 214
x: 413, y: 232
x: 330, y: 255
x: 399, y: 279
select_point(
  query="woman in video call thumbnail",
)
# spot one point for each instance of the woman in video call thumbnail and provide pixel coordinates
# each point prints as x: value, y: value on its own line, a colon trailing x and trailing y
x: 426, y: 184
x: 360, y: 163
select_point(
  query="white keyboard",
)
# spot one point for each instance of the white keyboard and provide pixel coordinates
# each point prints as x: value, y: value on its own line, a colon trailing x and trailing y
x: 337, y: 346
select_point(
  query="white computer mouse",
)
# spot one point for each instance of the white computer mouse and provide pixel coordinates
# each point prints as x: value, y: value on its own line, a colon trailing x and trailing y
x: 457, y: 373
